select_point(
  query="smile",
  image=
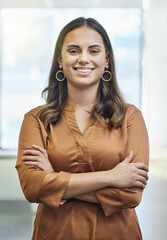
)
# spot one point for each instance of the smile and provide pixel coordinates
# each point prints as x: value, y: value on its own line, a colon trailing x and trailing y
x: 84, y: 70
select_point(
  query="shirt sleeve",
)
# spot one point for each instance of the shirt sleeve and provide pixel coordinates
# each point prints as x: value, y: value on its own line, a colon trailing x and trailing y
x: 113, y: 200
x: 37, y: 185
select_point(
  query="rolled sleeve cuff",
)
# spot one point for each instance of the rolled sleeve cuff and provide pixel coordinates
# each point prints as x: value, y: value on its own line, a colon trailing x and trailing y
x: 110, y: 200
x: 53, y: 188
x: 113, y: 200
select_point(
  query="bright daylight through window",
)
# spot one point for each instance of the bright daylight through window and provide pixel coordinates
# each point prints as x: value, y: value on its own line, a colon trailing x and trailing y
x: 27, y: 41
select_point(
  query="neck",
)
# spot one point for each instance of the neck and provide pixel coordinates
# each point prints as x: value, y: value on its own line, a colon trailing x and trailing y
x: 82, y: 98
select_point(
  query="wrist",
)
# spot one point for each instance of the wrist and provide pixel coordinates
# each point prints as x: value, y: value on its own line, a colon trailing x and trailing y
x: 107, y: 178
x: 110, y: 178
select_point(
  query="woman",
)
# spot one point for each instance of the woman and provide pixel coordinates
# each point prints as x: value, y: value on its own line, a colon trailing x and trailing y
x: 83, y: 156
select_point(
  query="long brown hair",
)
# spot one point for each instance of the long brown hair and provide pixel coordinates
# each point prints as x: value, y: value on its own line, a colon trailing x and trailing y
x: 110, y: 104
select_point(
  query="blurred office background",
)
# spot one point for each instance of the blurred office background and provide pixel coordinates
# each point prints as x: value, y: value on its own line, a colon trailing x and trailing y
x: 28, y: 32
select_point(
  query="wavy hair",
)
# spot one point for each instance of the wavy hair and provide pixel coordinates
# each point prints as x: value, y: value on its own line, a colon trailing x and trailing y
x: 110, y: 104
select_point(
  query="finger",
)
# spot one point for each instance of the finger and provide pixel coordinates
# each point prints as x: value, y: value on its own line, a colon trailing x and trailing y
x: 32, y: 158
x: 32, y: 152
x: 35, y: 164
x: 140, y: 185
x: 143, y: 173
x: 42, y: 150
x: 141, y: 179
x: 142, y: 166
x: 129, y: 158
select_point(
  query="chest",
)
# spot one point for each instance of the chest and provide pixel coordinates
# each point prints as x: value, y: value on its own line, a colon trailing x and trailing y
x: 82, y: 118
x: 76, y: 146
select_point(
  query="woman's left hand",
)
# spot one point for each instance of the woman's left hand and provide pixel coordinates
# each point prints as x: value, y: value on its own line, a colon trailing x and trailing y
x: 38, y: 158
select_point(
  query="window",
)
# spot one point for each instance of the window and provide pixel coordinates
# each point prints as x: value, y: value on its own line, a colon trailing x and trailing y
x: 27, y: 42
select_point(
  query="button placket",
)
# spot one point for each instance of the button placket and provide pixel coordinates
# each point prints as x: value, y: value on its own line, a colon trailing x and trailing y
x: 83, y: 140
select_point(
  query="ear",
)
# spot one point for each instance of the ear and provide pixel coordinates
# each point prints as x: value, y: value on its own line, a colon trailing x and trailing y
x: 107, y: 60
x: 60, y: 61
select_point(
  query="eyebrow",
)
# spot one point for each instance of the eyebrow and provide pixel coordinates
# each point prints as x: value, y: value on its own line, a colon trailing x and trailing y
x: 77, y: 46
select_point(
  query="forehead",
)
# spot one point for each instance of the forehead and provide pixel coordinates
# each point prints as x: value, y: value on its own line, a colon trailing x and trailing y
x: 83, y: 36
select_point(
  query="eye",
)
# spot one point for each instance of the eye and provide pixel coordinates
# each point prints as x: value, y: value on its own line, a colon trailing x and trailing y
x: 94, y: 51
x: 74, y: 51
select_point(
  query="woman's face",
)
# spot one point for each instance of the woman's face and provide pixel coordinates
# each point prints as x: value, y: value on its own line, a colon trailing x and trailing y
x: 83, y: 57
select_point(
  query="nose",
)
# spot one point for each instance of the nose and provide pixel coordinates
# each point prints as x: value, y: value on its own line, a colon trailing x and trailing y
x: 83, y: 58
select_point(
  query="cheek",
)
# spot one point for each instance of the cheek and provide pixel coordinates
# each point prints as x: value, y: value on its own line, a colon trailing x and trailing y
x: 67, y: 67
x: 67, y: 62
x: 102, y: 65
x: 101, y: 61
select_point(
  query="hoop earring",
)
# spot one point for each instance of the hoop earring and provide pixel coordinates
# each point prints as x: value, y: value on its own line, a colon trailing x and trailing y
x: 106, y: 72
x: 62, y: 73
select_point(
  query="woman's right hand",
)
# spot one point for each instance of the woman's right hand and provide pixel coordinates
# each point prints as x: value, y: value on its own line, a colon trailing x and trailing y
x: 128, y: 174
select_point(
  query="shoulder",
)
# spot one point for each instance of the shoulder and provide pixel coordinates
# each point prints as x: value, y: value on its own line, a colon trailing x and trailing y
x: 34, y: 112
x: 131, y: 110
x: 32, y: 127
x: 32, y: 119
x: 133, y: 116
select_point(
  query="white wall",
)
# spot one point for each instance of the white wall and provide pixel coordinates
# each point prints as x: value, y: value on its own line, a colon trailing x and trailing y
x: 155, y: 71
x: 9, y: 183
x: 70, y: 3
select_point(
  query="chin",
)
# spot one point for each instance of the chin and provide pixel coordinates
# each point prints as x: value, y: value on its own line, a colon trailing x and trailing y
x: 85, y: 84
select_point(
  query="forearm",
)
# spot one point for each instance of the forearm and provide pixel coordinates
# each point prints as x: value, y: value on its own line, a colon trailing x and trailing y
x: 88, y: 197
x: 114, y: 200
x: 125, y: 174
x: 81, y: 183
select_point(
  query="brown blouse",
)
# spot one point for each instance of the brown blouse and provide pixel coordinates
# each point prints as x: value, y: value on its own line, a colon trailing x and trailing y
x: 70, y: 151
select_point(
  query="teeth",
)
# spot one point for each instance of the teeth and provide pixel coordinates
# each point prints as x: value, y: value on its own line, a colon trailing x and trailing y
x: 83, y: 70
